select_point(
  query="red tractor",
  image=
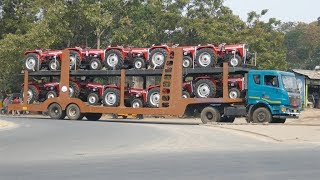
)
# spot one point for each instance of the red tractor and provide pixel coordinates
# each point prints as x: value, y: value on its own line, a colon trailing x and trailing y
x: 90, y: 58
x: 40, y: 91
x: 205, y: 86
x: 36, y: 60
x: 138, y: 58
x: 235, y: 54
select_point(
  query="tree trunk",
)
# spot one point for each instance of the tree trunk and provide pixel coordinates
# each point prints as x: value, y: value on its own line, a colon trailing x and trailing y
x: 98, y: 41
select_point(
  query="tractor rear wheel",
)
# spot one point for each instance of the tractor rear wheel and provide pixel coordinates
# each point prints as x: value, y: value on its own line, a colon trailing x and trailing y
x: 33, y: 94
x: 31, y: 62
x: 113, y: 60
x: 153, y: 97
x: 74, y: 90
x: 205, y: 58
x: 74, y: 60
x: 111, y: 97
x: 205, y: 88
x: 158, y: 57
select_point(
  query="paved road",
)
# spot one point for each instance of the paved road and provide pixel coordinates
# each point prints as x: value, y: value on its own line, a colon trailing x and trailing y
x: 55, y: 149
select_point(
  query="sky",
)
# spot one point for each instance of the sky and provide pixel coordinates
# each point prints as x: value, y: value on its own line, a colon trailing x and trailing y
x: 285, y: 10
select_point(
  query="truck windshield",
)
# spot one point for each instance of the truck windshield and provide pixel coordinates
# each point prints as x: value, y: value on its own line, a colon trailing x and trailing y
x: 290, y: 83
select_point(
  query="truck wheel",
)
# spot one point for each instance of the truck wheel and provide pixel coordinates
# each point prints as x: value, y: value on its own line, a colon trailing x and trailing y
x: 158, y: 57
x: 261, y: 115
x: 278, y: 120
x: 210, y: 114
x: 33, y: 94
x: 187, y: 62
x: 74, y: 89
x: 185, y: 94
x: 74, y: 60
x: 229, y: 119
x: 55, y: 111
x: 205, y: 58
x: 153, y: 97
x: 137, y: 103
x: 139, y: 63
x: 54, y: 64
x: 235, y: 61
x: 95, y: 64
x: 73, y: 112
x: 93, y: 99
x: 31, y: 62
x: 51, y: 94
x: 93, y: 116
x: 113, y: 59
x: 204, y: 88
x: 234, y: 93
x: 111, y: 97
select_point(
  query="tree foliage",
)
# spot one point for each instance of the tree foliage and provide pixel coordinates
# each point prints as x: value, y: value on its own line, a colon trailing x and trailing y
x: 98, y: 23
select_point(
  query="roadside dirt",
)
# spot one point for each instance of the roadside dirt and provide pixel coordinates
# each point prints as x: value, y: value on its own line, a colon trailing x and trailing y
x: 4, y: 125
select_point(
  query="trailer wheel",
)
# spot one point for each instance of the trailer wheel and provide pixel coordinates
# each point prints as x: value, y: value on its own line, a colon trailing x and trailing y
x: 137, y: 103
x: 74, y: 60
x: 93, y: 116
x: 113, y: 59
x: 54, y: 64
x: 93, y: 99
x: 187, y: 62
x: 74, y: 90
x: 185, y: 94
x: 204, y: 88
x: 111, y: 97
x: 158, y: 57
x: 235, y: 61
x: 205, y: 58
x: 73, y: 112
x: 33, y: 94
x: 234, y: 93
x: 261, y: 115
x: 55, y: 111
x: 51, y: 94
x: 95, y: 64
x: 278, y: 120
x: 139, y: 63
x: 153, y: 97
x: 210, y: 114
x: 31, y: 62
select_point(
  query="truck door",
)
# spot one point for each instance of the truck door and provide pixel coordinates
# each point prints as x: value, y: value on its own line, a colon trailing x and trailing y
x: 270, y: 91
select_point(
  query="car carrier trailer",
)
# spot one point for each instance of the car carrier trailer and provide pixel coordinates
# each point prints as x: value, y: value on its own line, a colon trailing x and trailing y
x: 171, y: 101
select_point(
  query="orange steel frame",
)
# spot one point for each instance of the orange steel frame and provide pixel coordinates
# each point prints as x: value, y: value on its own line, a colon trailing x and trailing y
x: 177, y: 104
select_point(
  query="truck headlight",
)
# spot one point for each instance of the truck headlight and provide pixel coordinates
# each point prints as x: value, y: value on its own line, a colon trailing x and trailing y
x: 283, y: 109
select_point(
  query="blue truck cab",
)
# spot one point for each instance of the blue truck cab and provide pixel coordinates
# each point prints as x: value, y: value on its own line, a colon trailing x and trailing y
x: 272, y: 96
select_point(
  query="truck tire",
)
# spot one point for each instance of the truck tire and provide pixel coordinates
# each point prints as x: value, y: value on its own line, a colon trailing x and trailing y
x: 51, y: 94
x: 111, y: 97
x: 210, y: 114
x: 278, y: 120
x: 95, y: 64
x: 261, y: 115
x: 113, y: 59
x: 74, y: 60
x: 153, y: 97
x: 204, y: 88
x: 93, y: 116
x: 235, y: 61
x: 158, y: 57
x: 54, y: 65
x: 205, y: 58
x: 234, y: 93
x: 185, y: 94
x: 93, y: 99
x: 55, y: 111
x: 74, y: 90
x: 31, y: 62
x: 187, y: 62
x: 139, y: 63
x: 137, y: 103
x: 73, y: 112
x: 33, y: 94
